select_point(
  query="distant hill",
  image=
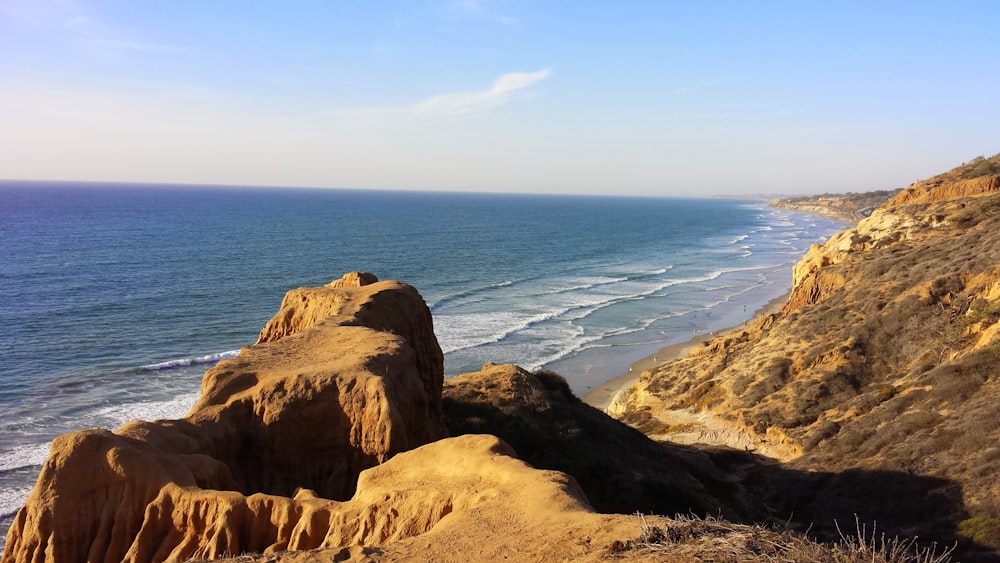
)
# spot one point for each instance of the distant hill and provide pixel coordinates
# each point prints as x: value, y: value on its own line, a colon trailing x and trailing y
x: 849, y: 208
x: 852, y: 207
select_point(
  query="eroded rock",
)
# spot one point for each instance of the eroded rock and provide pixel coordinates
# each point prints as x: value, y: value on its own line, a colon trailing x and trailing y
x: 344, y: 380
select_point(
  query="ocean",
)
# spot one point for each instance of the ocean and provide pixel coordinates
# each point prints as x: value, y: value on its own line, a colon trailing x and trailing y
x: 114, y: 299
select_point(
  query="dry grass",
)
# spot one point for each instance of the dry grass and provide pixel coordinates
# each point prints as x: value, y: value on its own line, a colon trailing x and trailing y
x: 976, y: 211
x: 979, y: 166
x: 690, y: 538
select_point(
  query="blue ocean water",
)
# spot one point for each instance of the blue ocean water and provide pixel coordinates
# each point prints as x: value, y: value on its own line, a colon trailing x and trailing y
x: 115, y: 299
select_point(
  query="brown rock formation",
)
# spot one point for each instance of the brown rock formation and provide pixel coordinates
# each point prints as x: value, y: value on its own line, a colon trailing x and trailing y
x: 466, y: 495
x: 344, y: 378
x: 405, y: 497
x: 930, y: 192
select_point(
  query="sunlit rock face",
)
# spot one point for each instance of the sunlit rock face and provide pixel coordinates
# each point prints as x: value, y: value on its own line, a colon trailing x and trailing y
x: 343, y: 378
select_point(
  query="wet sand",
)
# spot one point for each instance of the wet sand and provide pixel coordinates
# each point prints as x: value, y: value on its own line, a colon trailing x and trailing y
x: 601, y: 396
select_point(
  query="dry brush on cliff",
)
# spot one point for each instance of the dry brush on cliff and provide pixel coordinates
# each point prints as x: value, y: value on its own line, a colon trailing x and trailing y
x: 885, y: 359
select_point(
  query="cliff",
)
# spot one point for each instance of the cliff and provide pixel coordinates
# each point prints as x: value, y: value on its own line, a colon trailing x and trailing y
x: 321, y: 398
x: 885, y: 359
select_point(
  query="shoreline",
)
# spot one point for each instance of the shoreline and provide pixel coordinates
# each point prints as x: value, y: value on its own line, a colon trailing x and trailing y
x: 600, y: 397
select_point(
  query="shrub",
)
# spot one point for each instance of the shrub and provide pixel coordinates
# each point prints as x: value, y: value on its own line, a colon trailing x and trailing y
x: 983, y: 530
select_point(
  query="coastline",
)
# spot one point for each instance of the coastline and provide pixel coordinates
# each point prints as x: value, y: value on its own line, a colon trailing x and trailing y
x: 601, y: 396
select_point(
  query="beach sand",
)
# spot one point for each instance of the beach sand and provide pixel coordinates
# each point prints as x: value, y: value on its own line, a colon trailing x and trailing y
x: 601, y: 396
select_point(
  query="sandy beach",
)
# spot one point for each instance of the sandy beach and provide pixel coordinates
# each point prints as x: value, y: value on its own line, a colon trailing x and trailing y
x: 601, y: 396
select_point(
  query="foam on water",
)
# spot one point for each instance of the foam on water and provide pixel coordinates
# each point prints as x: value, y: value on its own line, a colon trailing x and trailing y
x: 216, y: 357
x: 169, y: 364
x: 581, y: 343
x: 568, y: 337
x: 112, y: 417
x: 659, y: 271
x: 590, y: 283
x: 30, y: 440
x: 26, y: 458
x: 23, y: 455
x: 459, y: 331
x: 490, y: 320
x: 468, y: 293
x: 654, y: 290
x: 11, y: 500
x: 184, y: 362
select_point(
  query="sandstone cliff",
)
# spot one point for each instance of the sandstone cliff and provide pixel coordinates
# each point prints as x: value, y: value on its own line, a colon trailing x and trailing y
x: 886, y: 358
x: 341, y: 384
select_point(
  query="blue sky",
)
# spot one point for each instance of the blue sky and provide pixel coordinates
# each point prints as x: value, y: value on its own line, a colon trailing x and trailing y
x: 644, y: 98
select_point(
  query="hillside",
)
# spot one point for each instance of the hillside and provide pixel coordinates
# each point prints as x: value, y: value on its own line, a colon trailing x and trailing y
x: 881, y: 373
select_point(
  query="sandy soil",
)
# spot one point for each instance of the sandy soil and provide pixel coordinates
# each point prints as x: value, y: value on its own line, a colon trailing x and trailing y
x: 601, y: 396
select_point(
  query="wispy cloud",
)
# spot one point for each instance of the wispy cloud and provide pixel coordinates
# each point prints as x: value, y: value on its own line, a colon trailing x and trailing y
x: 457, y: 104
x: 505, y: 89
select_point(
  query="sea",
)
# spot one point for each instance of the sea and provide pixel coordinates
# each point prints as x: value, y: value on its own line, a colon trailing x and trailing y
x: 115, y: 298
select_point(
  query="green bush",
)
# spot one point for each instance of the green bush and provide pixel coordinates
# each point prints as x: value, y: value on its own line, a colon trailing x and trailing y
x: 983, y: 530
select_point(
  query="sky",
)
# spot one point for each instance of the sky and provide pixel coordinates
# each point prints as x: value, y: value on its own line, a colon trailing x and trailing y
x: 656, y: 98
